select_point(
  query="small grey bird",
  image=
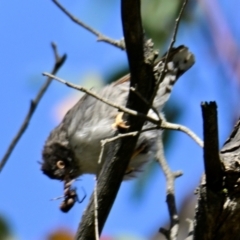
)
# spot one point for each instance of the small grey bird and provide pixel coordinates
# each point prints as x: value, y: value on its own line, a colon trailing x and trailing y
x: 73, y: 147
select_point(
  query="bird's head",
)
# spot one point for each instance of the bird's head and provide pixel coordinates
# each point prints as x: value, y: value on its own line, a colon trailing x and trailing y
x: 58, y: 161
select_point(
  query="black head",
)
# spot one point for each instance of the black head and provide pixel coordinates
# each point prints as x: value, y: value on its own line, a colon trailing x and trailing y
x: 58, y: 162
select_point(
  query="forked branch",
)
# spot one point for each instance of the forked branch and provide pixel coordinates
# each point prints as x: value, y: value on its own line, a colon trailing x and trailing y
x: 59, y: 60
x: 100, y: 37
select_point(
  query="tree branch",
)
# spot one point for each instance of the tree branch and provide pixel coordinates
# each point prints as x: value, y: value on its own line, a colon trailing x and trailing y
x: 176, y: 26
x: 33, y: 105
x: 218, y: 208
x: 100, y: 37
x: 160, y: 123
x: 104, y: 100
x: 172, y: 232
x: 178, y: 127
x: 121, y: 150
x: 212, y: 163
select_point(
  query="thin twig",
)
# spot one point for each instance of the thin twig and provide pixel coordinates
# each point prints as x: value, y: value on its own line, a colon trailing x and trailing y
x: 177, y: 22
x: 101, y: 153
x: 176, y: 26
x: 105, y: 141
x: 33, y: 105
x: 121, y: 135
x: 159, y: 123
x: 96, y: 211
x: 172, y: 232
x: 178, y: 127
x: 146, y: 102
x: 104, y: 100
x: 171, y: 126
x: 108, y: 140
x: 100, y: 37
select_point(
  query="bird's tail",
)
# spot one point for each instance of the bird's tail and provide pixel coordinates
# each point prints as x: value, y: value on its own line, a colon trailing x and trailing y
x: 179, y: 61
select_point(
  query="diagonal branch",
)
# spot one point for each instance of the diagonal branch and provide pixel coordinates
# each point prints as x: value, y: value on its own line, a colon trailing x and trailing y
x: 100, y: 37
x: 160, y: 123
x: 120, y: 151
x: 178, y: 127
x: 104, y: 100
x: 33, y: 105
x: 177, y: 22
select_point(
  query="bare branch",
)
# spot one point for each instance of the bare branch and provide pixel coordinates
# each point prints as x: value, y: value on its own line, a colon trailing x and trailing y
x: 177, y: 21
x: 178, y: 127
x: 104, y: 100
x: 172, y: 233
x: 108, y: 140
x: 33, y: 105
x: 146, y: 102
x: 161, y: 124
x: 100, y: 37
x: 96, y: 211
x: 120, y: 151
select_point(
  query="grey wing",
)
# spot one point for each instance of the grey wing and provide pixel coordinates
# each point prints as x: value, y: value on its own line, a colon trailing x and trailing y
x: 78, y: 115
x: 90, y: 115
x: 70, y: 122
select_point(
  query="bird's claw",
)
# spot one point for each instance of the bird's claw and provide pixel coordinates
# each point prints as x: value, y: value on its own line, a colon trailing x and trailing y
x: 119, y: 122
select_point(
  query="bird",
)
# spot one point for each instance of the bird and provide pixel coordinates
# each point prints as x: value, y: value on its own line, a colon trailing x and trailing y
x: 73, y: 147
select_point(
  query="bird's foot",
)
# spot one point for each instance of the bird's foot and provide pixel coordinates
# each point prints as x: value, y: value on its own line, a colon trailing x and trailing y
x: 119, y: 122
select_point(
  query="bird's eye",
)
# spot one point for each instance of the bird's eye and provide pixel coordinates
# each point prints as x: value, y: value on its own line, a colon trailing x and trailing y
x: 60, y: 164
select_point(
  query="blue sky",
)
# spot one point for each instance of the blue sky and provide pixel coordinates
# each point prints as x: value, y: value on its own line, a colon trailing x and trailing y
x: 27, y: 28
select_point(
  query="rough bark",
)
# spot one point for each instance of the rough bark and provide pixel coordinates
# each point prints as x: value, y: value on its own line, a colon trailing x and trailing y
x: 118, y: 158
x: 218, y: 211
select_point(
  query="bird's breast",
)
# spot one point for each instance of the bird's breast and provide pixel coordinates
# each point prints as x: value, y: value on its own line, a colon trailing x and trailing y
x: 86, y: 145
